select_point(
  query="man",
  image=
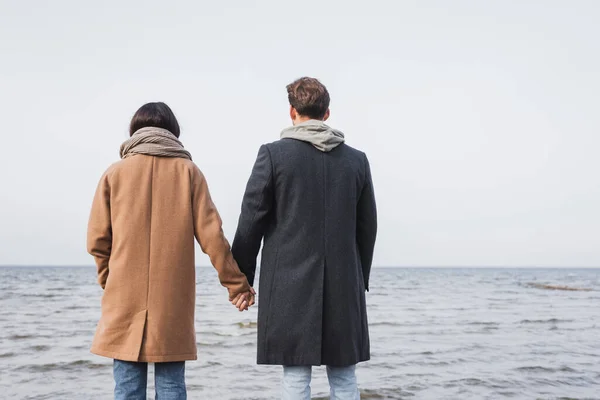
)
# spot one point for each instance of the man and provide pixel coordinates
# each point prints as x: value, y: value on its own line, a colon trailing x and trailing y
x: 310, y: 196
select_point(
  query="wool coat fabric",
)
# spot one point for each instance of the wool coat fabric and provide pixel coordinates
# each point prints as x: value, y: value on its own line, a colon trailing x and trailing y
x: 316, y: 213
x: 145, y: 215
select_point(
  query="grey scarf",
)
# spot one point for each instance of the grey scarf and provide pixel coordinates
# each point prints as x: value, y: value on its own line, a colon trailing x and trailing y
x: 316, y: 133
x: 153, y: 141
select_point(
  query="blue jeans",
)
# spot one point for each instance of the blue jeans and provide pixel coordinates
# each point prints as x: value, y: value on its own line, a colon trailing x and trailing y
x: 342, y: 383
x: 131, y: 379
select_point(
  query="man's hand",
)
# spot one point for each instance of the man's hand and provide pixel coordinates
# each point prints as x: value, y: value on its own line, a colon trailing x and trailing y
x: 244, y: 300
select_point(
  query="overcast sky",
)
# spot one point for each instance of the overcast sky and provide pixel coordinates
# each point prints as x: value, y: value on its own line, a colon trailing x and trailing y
x: 480, y: 118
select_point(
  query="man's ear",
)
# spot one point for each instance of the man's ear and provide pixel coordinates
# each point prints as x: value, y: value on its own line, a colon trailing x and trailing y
x: 293, y: 114
x: 327, y: 114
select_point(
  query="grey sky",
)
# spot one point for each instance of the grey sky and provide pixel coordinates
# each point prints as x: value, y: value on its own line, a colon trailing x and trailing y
x: 480, y: 118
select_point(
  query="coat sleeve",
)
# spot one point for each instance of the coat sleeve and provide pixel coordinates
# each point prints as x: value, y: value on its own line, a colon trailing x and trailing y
x: 366, y: 227
x: 99, y: 234
x: 208, y: 229
x: 254, y: 218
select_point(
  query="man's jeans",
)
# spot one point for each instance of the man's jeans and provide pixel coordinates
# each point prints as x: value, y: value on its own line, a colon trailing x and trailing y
x: 342, y: 381
x: 131, y: 379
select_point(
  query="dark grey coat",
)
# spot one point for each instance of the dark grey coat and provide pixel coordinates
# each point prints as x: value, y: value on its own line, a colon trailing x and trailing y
x: 316, y: 212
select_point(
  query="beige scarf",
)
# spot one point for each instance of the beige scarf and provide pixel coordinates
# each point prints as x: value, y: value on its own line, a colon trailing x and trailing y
x: 153, y: 141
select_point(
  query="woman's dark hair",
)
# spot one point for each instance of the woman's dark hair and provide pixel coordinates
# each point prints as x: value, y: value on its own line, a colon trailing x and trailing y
x: 158, y: 115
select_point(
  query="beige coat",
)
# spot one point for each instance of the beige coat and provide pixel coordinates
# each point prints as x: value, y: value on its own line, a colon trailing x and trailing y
x: 145, y: 215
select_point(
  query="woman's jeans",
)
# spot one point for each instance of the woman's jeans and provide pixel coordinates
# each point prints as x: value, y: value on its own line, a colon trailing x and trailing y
x: 342, y: 383
x: 131, y: 379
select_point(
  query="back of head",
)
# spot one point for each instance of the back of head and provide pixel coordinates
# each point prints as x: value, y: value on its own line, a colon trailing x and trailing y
x: 309, y: 98
x: 158, y: 115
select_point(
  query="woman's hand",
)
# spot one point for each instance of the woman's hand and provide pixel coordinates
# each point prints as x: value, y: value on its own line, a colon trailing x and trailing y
x: 244, y: 300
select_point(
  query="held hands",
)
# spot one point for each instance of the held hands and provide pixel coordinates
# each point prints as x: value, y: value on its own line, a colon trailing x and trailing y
x: 244, y: 300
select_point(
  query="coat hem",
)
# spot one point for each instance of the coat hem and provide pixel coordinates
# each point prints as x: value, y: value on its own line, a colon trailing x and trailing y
x: 304, y: 361
x: 144, y: 358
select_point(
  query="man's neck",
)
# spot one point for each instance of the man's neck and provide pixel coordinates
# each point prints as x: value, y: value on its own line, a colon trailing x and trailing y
x: 301, y: 119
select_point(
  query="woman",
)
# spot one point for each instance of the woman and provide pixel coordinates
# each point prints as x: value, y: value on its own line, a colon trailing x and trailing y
x: 146, y: 212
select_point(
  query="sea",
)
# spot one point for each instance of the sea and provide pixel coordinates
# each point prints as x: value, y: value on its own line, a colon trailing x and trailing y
x: 436, y: 333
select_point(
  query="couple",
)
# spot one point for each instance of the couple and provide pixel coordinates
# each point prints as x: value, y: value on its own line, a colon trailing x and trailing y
x: 309, y: 198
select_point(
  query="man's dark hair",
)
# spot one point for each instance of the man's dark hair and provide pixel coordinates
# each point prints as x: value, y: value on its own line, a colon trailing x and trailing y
x: 158, y: 115
x: 309, y: 97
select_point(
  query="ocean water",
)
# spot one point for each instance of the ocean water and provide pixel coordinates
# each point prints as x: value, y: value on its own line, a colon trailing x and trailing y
x: 435, y: 334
